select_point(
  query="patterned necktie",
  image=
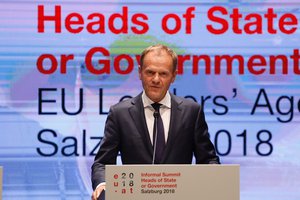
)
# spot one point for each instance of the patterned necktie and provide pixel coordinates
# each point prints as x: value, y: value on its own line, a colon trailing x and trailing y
x: 159, y: 139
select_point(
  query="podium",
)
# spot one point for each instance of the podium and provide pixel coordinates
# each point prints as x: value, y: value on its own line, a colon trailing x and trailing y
x: 172, y: 182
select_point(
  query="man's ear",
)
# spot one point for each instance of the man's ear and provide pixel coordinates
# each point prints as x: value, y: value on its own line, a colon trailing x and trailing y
x: 174, y: 76
x: 140, y: 72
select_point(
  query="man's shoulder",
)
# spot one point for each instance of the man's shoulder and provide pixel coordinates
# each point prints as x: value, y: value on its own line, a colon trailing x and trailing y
x: 186, y: 102
x: 125, y: 104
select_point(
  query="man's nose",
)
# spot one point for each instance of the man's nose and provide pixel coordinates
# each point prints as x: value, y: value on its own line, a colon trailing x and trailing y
x: 156, y: 78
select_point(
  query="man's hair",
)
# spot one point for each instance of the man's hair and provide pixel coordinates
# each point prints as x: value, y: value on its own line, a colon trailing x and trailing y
x: 160, y: 47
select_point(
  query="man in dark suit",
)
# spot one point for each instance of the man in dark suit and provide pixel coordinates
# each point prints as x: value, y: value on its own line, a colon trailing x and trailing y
x: 154, y: 127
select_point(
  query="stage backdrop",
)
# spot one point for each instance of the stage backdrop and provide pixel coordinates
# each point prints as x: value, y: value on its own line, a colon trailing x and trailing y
x: 64, y: 63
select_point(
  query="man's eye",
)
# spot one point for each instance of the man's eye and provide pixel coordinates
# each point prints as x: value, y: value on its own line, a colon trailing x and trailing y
x: 163, y: 74
x: 149, y: 72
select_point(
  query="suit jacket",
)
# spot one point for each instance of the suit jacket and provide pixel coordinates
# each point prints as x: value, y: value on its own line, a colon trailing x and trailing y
x: 126, y: 132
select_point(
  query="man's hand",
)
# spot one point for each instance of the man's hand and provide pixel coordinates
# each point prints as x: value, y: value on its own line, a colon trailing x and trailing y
x: 97, y: 192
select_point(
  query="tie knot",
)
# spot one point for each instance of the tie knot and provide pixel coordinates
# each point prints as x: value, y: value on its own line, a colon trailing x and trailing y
x: 156, y: 106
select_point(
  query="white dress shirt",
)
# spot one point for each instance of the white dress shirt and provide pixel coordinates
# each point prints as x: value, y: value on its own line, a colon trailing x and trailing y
x: 165, y: 113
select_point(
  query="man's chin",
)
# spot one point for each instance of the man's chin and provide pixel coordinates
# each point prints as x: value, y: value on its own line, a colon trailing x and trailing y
x: 155, y: 94
x: 157, y: 98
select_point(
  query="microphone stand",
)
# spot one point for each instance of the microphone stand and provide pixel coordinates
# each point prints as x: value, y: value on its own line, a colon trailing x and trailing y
x: 155, y: 115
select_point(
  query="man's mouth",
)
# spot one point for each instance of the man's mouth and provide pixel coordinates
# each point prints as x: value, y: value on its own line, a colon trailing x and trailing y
x: 154, y: 87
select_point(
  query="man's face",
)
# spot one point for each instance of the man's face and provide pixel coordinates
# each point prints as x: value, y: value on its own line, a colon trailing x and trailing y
x: 157, y: 74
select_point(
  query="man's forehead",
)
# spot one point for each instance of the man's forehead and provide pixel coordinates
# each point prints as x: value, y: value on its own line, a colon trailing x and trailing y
x: 155, y: 68
x: 158, y: 52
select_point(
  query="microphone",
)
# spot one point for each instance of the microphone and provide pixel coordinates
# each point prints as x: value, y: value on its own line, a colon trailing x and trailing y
x: 155, y: 115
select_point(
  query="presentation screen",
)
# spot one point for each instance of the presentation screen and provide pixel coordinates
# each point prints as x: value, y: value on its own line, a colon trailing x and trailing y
x: 64, y: 63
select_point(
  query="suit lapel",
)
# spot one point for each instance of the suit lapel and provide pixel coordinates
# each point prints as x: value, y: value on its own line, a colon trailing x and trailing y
x: 175, y: 122
x: 138, y: 115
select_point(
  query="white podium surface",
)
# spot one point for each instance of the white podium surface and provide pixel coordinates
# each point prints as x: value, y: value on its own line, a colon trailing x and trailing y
x: 172, y: 182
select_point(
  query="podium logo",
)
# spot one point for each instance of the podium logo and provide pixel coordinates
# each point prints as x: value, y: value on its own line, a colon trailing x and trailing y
x: 123, y: 183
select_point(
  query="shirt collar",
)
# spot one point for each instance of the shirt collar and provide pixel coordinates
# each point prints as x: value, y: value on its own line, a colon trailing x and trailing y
x: 166, y: 101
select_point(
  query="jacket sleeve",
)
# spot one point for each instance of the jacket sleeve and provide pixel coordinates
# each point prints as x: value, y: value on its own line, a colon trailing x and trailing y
x: 109, y: 148
x: 203, y: 148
